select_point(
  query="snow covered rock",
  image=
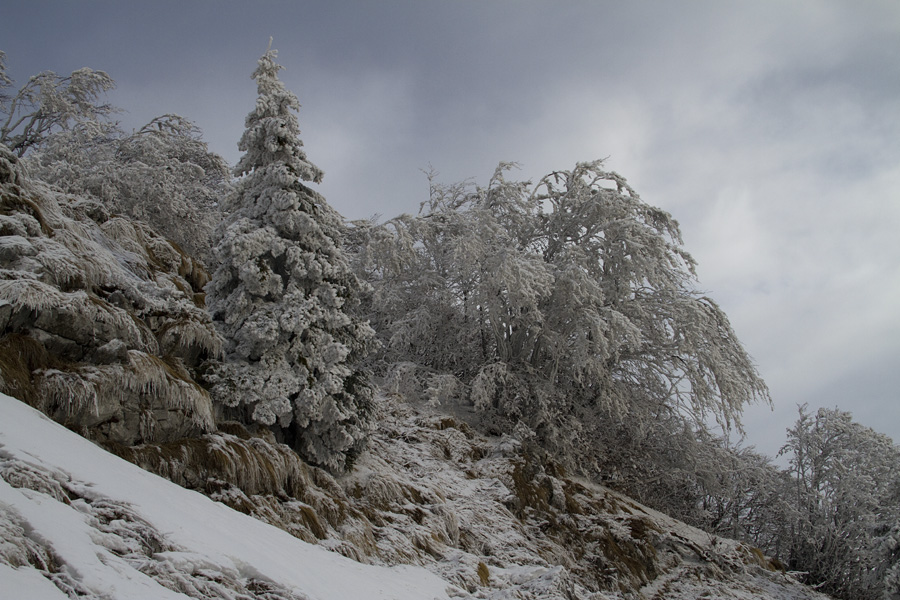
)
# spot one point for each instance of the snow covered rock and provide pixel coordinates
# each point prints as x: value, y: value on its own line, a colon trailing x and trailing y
x: 483, y: 513
x: 101, y: 319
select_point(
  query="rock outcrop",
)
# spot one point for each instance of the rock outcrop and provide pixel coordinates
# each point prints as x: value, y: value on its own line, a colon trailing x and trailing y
x: 101, y: 318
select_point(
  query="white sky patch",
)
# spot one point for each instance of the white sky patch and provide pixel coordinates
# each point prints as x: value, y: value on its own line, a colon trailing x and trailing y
x: 734, y: 247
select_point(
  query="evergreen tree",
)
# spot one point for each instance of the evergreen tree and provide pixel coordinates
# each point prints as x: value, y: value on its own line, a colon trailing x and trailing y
x: 284, y: 293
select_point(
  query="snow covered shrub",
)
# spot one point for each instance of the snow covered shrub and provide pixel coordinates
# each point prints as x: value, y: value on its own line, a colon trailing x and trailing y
x: 163, y: 174
x: 101, y: 319
x: 284, y: 294
x: 846, y: 489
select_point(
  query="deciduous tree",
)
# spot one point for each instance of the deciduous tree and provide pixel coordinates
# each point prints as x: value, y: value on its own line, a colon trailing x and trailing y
x: 847, y: 491
x: 49, y: 102
x: 163, y: 174
x: 566, y: 306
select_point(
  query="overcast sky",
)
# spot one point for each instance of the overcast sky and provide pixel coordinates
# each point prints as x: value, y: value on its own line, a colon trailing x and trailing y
x: 769, y: 129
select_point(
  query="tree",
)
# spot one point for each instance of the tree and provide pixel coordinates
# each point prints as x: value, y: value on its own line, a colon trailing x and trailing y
x: 847, y: 491
x: 163, y: 174
x: 746, y: 497
x: 284, y: 293
x: 47, y: 103
x: 566, y: 306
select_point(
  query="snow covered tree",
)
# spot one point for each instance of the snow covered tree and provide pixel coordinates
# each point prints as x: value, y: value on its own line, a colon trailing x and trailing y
x: 284, y: 293
x: 566, y: 307
x: 746, y: 497
x: 163, y: 174
x: 47, y: 103
x: 847, y: 491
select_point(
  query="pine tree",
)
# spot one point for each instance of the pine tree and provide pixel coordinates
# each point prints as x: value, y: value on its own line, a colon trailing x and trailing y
x: 284, y: 293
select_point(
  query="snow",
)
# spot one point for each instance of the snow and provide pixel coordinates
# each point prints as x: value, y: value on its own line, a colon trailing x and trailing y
x: 199, y: 536
x: 27, y: 584
x: 76, y: 521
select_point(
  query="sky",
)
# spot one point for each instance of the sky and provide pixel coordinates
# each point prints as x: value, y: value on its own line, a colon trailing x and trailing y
x: 770, y: 130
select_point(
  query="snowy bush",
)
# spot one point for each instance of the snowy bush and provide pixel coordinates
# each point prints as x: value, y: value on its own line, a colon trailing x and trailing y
x: 101, y: 319
x: 847, y: 494
x: 162, y: 174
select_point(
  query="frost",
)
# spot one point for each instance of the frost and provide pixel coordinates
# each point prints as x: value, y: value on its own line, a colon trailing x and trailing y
x: 284, y: 294
x: 89, y: 309
x: 96, y: 527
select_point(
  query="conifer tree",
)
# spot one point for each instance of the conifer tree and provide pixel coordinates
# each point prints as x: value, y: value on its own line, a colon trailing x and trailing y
x: 284, y: 293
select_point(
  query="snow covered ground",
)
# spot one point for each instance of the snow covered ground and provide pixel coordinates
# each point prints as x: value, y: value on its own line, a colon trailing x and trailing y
x: 80, y: 519
x: 76, y: 521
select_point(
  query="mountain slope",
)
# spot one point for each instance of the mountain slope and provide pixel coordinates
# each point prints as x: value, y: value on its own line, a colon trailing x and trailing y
x: 99, y: 527
x: 77, y: 519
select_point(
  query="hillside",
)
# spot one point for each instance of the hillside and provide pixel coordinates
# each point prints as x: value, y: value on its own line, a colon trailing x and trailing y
x: 82, y: 522
x: 79, y: 522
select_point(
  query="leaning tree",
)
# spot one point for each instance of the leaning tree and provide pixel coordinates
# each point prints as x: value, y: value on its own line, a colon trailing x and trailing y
x: 49, y: 102
x: 566, y: 309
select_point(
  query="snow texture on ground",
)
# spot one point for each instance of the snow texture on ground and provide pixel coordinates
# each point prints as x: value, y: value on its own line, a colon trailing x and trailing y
x: 80, y: 522
x: 75, y: 521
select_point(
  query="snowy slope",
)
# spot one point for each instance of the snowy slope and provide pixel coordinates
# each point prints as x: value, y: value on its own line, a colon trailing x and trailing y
x: 76, y: 518
x: 452, y: 500
x: 75, y: 521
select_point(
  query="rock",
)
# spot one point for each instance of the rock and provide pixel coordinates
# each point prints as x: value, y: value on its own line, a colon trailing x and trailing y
x: 14, y: 246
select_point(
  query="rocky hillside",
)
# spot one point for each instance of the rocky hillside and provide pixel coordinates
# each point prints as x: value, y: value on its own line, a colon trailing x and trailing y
x: 476, y: 512
x: 101, y: 317
x: 104, y: 329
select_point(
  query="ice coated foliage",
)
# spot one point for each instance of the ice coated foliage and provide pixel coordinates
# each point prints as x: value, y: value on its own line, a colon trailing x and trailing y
x: 101, y: 318
x: 563, y: 313
x: 565, y: 307
x: 284, y: 293
x: 162, y: 174
x: 744, y: 496
x: 477, y: 512
x: 846, y: 488
x: 47, y: 103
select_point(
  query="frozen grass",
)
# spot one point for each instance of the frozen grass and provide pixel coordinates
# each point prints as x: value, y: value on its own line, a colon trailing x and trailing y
x: 95, y: 526
x: 481, y: 517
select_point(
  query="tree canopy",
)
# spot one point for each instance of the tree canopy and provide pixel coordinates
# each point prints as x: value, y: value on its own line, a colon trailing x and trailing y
x: 556, y: 306
x: 846, y: 488
x: 49, y: 102
x: 163, y: 174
